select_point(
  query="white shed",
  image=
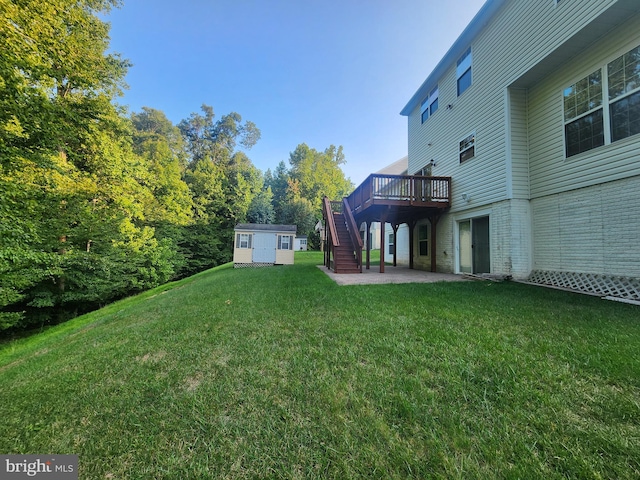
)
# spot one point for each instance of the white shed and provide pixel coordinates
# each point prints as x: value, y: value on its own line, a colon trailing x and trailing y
x: 257, y: 245
x: 300, y: 243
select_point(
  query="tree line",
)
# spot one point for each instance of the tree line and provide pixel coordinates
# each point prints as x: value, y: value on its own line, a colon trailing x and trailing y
x: 96, y: 203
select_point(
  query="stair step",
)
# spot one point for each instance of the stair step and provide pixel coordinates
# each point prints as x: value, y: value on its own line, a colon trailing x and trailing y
x: 344, y: 258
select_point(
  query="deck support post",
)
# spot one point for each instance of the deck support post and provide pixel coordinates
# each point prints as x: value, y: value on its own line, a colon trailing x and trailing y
x: 412, y: 226
x: 383, y: 220
x: 433, y: 219
x: 368, y: 240
x: 395, y: 226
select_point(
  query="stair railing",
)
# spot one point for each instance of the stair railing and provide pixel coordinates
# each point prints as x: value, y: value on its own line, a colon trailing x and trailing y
x: 354, y: 231
x: 332, y: 232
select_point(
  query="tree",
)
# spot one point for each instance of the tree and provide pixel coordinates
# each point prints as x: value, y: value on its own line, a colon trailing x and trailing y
x: 58, y: 80
x: 261, y: 208
x: 223, y: 183
x: 298, y: 192
x: 74, y: 192
x: 319, y: 174
x: 278, y: 182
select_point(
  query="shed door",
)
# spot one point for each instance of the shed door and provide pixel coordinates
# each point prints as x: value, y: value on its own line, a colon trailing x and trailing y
x: 264, y: 248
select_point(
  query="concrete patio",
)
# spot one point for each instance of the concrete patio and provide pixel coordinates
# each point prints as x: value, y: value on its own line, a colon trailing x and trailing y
x: 400, y: 274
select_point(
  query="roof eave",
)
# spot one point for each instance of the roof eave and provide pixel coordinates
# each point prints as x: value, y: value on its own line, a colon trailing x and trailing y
x: 476, y: 25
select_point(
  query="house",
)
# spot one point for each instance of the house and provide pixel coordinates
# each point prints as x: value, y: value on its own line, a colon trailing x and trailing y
x: 533, y: 116
x: 300, y: 243
x: 395, y: 243
x: 258, y: 245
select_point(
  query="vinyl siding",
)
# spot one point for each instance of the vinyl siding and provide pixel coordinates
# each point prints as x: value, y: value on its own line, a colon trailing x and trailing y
x: 550, y: 171
x: 521, y: 34
x: 284, y: 257
x: 401, y: 244
x: 242, y: 255
x: 518, y: 138
x: 525, y: 55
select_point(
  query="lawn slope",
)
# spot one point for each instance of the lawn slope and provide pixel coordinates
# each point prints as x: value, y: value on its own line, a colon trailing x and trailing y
x: 279, y: 373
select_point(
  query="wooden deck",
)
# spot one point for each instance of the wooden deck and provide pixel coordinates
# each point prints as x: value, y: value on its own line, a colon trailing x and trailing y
x: 399, y: 198
x: 394, y: 199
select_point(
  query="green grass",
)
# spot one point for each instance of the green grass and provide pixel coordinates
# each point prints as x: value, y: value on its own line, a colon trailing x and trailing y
x: 280, y: 373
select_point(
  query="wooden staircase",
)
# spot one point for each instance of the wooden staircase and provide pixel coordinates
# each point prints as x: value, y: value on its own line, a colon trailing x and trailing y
x: 344, y: 259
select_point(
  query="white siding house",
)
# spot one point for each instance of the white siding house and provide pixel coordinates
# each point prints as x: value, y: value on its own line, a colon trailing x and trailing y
x: 300, y: 243
x: 534, y: 113
x: 257, y: 245
x: 395, y: 243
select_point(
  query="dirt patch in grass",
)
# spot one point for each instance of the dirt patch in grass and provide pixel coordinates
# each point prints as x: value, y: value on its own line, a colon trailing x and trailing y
x: 152, y: 357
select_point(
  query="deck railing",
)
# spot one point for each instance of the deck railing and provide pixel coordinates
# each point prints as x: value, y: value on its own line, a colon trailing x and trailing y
x: 412, y: 190
x: 331, y: 231
x: 354, y: 232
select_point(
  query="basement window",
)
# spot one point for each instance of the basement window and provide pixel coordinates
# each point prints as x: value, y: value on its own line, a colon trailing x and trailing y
x: 423, y: 240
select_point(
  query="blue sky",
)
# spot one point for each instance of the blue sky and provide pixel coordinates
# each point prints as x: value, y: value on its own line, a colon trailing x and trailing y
x: 320, y: 72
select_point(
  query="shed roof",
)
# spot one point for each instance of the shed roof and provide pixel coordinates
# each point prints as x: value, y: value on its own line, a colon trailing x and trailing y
x: 263, y: 227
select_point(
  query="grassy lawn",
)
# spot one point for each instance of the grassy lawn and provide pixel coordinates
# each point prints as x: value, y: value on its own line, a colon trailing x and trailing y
x: 280, y: 373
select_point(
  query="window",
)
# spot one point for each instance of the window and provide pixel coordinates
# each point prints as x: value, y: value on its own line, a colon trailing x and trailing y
x: 463, y: 71
x: 429, y: 105
x: 467, y: 148
x: 243, y: 240
x: 603, y: 107
x: 624, y: 95
x: 285, y: 242
x: 423, y: 240
x: 584, y: 126
x: 392, y: 244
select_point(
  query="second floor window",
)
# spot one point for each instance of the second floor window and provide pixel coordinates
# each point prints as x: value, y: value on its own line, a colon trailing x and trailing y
x: 463, y: 71
x: 429, y: 105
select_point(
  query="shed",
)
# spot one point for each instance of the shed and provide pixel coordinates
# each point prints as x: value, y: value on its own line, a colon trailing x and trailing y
x: 259, y: 245
x: 300, y: 243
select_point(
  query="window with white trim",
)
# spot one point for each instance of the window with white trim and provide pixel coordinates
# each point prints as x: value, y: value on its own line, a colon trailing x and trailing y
x: 392, y: 244
x: 604, y: 106
x: 463, y: 71
x: 624, y: 95
x: 285, y: 242
x: 429, y: 105
x: 243, y: 240
x: 584, y: 126
x: 423, y: 240
x: 467, y: 147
